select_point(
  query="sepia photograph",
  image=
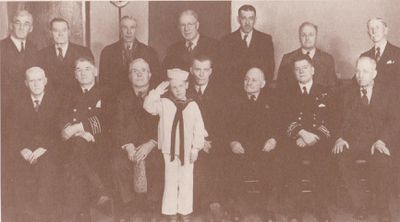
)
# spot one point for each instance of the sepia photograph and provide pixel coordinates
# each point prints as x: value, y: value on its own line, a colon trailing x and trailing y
x: 200, y: 111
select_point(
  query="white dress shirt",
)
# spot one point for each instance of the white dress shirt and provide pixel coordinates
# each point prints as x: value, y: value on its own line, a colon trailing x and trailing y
x: 17, y: 43
x: 312, y: 52
x: 64, y: 49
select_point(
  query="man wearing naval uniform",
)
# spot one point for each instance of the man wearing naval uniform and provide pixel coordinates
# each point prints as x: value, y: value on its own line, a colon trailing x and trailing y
x: 309, y: 128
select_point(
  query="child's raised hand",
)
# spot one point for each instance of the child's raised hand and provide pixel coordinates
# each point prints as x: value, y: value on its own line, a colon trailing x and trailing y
x: 162, y: 87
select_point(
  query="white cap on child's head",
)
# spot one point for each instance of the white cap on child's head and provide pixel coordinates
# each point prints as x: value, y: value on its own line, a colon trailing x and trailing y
x: 177, y: 74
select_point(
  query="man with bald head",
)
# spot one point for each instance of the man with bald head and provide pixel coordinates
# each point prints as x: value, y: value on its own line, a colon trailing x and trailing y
x: 368, y: 132
x: 253, y: 133
x: 180, y: 54
x: 115, y: 58
x: 35, y: 145
x: 135, y: 136
x: 323, y: 62
x: 386, y: 55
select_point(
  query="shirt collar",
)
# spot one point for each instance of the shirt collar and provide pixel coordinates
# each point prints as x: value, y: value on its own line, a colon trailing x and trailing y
x: 368, y: 88
x: 17, y: 42
x: 40, y: 98
x: 312, y: 52
x: 87, y: 87
x: 381, y: 45
x: 249, y: 35
x: 203, y: 87
x: 64, y: 49
x: 307, y: 85
x: 253, y: 94
x: 194, y: 41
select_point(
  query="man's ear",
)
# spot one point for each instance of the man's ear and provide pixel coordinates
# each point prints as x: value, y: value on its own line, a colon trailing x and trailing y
x: 312, y: 70
x: 263, y: 84
x: 187, y: 84
x: 26, y: 83
x: 96, y: 73
x: 375, y: 73
x: 45, y: 81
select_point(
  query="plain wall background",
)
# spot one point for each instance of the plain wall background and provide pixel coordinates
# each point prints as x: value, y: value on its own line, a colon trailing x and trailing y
x: 342, y: 26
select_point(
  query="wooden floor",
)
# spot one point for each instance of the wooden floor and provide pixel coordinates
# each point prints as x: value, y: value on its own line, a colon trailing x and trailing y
x: 337, y: 215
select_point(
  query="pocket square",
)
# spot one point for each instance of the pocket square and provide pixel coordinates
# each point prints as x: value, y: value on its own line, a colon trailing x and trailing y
x: 390, y: 62
x: 98, y: 104
x: 321, y: 105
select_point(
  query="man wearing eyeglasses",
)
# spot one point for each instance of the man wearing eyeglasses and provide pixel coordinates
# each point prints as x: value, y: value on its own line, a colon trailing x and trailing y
x: 17, y: 55
x: 180, y: 54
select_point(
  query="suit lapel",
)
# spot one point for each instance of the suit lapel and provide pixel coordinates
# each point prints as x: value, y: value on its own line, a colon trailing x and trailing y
x: 386, y: 55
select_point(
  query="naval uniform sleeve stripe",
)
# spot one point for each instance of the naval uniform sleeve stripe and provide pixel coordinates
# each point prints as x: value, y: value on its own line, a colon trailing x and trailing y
x: 324, y: 130
x: 291, y: 127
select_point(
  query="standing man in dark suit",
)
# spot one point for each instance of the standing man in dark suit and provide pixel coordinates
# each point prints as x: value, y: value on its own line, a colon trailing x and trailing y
x: 310, y: 117
x: 367, y: 132
x: 324, y: 63
x: 387, y: 55
x: 115, y: 58
x: 207, y: 172
x: 35, y: 145
x: 17, y: 55
x: 83, y: 150
x: 136, y: 158
x: 246, y: 48
x: 253, y: 135
x: 58, y: 59
x: 180, y: 54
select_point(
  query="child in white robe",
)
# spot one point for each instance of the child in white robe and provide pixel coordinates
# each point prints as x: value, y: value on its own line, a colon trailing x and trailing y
x: 181, y: 136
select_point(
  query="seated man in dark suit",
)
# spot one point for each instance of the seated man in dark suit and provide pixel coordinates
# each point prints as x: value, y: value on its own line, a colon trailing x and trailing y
x: 246, y: 48
x: 324, y: 63
x: 253, y: 135
x: 35, y: 143
x: 137, y: 159
x: 17, y: 54
x: 180, y: 54
x: 309, y: 114
x: 207, y: 171
x: 58, y: 59
x: 387, y: 55
x: 83, y: 150
x: 367, y: 132
x: 115, y: 58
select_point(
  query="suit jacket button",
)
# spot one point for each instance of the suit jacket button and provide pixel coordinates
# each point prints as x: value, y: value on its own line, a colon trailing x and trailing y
x: 314, y: 125
x: 74, y: 119
x: 89, y: 108
x: 74, y: 110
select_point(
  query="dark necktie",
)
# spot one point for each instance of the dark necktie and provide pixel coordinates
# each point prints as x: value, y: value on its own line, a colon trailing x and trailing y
x: 60, y: 56
x: 364, y: 98
x: 22, y: 48
x: 378, y: 54
x: 253, y: 98
x: 36, y: 105
x: 180, y: 106
x: 189, y: 46
x: 305, y: 91
x: 308, y: 54
x: 245, y: 39
x: 85, y: 91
